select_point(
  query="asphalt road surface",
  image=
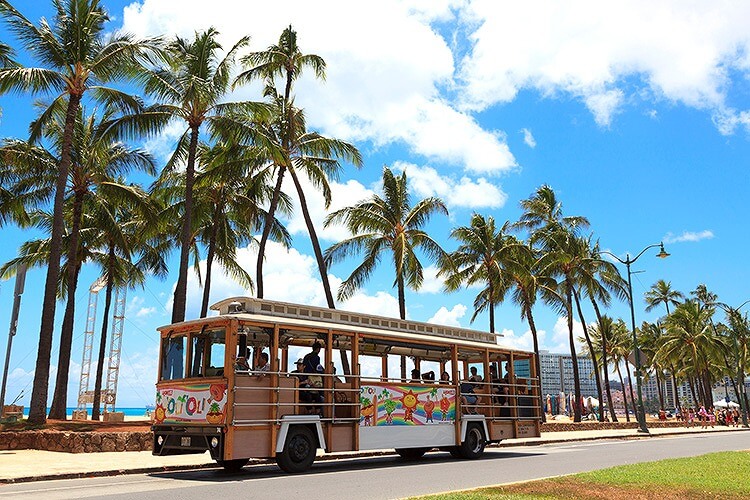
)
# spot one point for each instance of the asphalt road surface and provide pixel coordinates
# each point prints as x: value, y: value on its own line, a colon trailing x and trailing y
x: 385, y: 476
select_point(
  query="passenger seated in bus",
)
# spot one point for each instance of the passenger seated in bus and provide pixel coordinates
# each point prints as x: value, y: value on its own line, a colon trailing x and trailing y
x: 495, y: 385
x: 299, y: 371
x: 474, y: 376
x: 312, y: 394
x: 241, y: 364
x: 428, y: 377
x: 263, y: 365
x: 468, y: 397
x: 445, y: 378
x: 311, y: 361
x: 416, y: 376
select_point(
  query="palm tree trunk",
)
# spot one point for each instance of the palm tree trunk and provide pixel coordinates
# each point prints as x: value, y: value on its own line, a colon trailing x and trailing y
x: 314, y: 239
x: 209, y: 263
x: 659, y: 388
x: 624, y: 392
x: 401, y: 294
x: 696, y: 401
x: 573, y: 355
x: 605, y: 366
x: 58, y: 410
x: 535, y: 339
x: 96, y: 409
x: 492, y: 308
x: 267, y: 231
x: 38, y: 405
x: 180, y: 291
x: 591, y: 350
x: 676, y: 395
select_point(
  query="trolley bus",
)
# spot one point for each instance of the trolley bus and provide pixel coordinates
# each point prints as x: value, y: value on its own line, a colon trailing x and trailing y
x: 226, y: 385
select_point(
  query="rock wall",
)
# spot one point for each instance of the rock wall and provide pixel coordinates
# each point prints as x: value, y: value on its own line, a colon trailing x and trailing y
x: 76, y: 442
x: 593, y: 426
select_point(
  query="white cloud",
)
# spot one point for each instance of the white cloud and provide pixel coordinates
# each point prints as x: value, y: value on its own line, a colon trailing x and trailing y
x: 451, y: 317
x: 145, y: 312
x: 386, y: 92
x: 431, y: 282
x: 528, y: 138
x: 679, y: 52
x: 689, y: 236
x: 463, y: 192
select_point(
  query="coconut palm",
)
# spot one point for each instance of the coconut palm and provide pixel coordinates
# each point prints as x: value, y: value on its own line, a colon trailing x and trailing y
x: 283, y: 137
x: 229, y: 197
x: 483, y: 258
x: 649, y: 341
x: 190, y: 89
x: 661, y: 293
x: 556, y: 235
x: 76, y: 58
x: 127, y: 230
x: 387, y: 225
x: 283, y: 60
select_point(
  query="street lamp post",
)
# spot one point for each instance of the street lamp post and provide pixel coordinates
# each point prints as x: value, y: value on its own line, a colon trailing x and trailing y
x: 640, y: 414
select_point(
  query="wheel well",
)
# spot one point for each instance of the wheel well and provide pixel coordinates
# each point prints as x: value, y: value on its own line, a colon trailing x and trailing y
x: 313, y: 430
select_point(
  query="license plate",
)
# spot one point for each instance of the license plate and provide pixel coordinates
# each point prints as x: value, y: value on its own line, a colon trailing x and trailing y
x: 184, y: 441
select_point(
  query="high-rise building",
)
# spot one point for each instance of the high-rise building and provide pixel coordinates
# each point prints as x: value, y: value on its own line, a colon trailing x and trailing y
x: 557, y: 374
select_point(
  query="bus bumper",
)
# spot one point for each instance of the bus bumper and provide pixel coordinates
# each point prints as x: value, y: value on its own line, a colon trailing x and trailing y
x: 183, y: 440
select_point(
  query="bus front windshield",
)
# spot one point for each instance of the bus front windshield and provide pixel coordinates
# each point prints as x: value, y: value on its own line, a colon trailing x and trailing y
x: 204, y: 358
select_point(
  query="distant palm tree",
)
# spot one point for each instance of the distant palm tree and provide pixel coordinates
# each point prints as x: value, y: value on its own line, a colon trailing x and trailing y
x: 483, y: 258
x: 613, y: 334
x: 660, y: 293
x: 76, y: 58
x: 387, y: 225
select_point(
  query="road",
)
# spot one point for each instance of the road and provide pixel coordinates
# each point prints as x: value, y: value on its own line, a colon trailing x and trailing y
x: 385, y: 476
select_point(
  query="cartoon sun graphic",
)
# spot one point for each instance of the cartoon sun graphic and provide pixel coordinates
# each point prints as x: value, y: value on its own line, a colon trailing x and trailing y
x: 409, y: 401
x: 159, y: 414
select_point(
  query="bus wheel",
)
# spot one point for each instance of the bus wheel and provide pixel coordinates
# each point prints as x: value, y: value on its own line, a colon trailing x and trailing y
x: 233, y: 465
x: 299, y: 450
x: 473, y: 445
x: 411, y: 453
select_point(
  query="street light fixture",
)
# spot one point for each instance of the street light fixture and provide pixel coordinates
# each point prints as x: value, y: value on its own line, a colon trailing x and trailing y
x: 640, y: 414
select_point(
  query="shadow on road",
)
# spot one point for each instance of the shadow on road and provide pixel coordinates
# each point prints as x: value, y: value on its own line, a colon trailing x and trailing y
x: 270, y: 470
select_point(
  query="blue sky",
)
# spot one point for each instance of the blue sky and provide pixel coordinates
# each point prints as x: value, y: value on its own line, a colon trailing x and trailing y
x: 637, y: 116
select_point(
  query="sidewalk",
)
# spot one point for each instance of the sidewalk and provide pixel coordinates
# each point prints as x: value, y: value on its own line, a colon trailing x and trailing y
x: 36, y: 465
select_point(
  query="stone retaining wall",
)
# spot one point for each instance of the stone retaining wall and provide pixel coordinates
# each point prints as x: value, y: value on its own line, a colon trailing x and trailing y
x: 76, y: 442
x: 90, y: 442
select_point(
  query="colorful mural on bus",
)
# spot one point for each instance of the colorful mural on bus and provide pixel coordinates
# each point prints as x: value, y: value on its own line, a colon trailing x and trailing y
x: 196, y: 403
x: 405, y: 404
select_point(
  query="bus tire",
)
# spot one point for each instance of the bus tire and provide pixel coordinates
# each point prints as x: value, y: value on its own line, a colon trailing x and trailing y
x: 473, y: 445
x: 411, y: 453
x: 299, y: 450
x: 233, y: 465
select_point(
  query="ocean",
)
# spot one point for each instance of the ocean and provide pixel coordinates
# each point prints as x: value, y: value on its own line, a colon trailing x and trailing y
x: 129, y: 412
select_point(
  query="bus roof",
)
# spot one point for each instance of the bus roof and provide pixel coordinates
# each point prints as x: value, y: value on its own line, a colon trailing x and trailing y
x: 252, y: 305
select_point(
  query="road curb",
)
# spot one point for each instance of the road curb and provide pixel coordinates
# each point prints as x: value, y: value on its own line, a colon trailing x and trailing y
x: 377, y: 453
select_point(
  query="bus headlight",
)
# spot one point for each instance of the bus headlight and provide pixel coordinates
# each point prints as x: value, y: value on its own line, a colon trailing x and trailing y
x: 214, y: 442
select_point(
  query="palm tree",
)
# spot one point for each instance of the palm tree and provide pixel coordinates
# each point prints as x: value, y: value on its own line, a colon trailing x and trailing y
x: 283, y: 138
x: 390, y: 225
x: 483, y: 258
x: 128, y: 233
x: 689, y: 340
x: 661, y: 293
x: 191, y: 89
x: 284, y: 60
x: 649, y: 340
x: 527, y: 283
x: 76, y: 58
x: 600, y: 279
x: 557, y: 237
x: 229, y: 196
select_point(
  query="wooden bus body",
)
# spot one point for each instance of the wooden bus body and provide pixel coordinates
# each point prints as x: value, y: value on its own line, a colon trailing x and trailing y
x: 212, y: 394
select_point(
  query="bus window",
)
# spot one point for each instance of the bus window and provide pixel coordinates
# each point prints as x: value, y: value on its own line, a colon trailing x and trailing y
x: 173, y: 356
x: 215, y: 353
x: 199, y: 349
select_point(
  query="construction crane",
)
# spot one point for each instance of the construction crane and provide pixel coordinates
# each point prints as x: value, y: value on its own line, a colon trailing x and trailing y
x: 115, y: 349
x: 84, y: 395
